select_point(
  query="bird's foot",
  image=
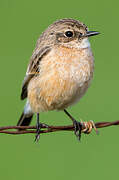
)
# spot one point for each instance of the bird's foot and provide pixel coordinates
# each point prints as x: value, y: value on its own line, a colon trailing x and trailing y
x: 85, y: 127
x: 38, y: 128
x: 77, y: 129
x: 43, y: 125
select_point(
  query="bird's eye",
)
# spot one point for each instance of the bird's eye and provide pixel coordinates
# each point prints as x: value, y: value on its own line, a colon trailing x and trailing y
x: 69, y: 34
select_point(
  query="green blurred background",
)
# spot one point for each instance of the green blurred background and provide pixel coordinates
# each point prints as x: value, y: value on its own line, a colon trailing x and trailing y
x: 59, y: 155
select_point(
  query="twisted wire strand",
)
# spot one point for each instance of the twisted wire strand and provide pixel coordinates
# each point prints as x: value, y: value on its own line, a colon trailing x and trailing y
x: 86, y: 128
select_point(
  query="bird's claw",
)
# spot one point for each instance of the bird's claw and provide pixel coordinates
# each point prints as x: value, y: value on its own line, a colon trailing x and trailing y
x: 38, y: 128
x: 77, y: 129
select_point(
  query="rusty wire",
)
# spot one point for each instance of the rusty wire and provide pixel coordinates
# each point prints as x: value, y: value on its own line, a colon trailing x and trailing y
x: 32, y: 129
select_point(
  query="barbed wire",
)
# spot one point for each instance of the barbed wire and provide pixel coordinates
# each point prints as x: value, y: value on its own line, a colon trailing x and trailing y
x: 32, y: 129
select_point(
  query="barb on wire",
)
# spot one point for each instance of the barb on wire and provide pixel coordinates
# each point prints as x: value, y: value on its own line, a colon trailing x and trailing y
x: 32, y: 129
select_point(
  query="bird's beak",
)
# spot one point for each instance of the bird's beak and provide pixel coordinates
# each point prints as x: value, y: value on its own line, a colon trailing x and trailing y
x: 92, y: 33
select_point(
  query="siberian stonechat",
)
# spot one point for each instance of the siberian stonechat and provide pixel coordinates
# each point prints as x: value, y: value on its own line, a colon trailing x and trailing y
x: 60, y: 71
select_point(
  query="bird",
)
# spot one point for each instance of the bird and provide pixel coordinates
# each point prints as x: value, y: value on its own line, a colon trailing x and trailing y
x: 59, y: 72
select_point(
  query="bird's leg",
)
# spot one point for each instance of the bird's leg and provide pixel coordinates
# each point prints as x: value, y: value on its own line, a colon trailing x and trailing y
x: 77, y: 125
x: 38, y: 128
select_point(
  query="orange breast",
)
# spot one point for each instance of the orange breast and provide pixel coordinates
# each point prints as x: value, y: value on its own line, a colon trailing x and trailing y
x: 64, y: 77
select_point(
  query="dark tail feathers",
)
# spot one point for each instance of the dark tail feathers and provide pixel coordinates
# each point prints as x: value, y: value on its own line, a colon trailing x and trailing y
x: 24, y: 120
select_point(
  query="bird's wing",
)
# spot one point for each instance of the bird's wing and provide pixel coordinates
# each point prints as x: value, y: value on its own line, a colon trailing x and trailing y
x: 33, y: 68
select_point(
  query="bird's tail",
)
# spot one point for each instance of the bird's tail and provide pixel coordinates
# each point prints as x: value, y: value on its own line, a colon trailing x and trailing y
x: 26, y: 116
x: 24, y: 120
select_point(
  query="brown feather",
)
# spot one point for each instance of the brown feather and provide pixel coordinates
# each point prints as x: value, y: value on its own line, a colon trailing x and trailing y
x: 33, y: 69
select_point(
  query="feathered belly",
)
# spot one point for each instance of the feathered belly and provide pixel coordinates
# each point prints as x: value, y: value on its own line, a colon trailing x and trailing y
x: 59, y: 86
